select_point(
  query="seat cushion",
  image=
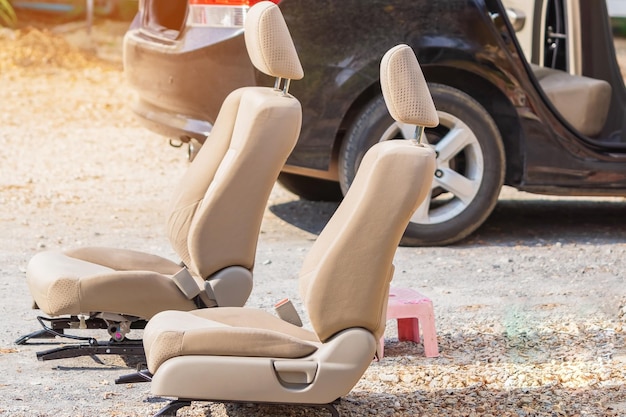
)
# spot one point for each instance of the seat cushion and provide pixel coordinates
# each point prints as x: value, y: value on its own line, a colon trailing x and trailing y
x: 582, y: 101
x: 63, y: 284
x: 226, y: 331
x: 124, y: 259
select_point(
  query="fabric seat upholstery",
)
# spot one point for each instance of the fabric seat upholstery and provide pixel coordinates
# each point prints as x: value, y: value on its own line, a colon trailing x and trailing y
x: 68, y: 284
x: 230, y: 331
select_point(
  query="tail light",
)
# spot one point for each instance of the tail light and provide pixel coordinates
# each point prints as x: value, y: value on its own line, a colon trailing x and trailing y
x: 220, y: 13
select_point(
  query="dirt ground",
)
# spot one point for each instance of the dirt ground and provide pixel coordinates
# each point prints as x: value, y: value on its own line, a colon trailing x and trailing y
x: 529, y: 311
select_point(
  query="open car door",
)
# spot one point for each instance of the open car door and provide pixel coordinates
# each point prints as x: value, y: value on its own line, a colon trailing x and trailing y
x: 550, y: 33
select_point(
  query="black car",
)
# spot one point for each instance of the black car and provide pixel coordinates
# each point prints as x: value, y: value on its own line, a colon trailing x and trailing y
x: 529, y: 93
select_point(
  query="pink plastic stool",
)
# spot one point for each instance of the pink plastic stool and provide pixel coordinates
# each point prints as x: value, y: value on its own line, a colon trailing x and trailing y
x: 411, y: 309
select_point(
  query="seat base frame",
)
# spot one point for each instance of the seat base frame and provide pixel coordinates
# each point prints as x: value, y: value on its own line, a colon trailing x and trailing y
x: 173, y: 406
x: 128, y: 347
x: 57, y: 327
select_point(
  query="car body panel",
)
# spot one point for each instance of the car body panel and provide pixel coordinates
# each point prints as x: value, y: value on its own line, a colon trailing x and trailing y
x: 558, y: 156
x: 190, y: 71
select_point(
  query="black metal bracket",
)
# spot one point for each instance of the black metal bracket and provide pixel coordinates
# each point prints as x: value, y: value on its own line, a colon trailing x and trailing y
x: 331, y: 407
x: 38, y: 334
x: 171, y: 408
x: 124, y: 348
x: 137, y: 377
x: 56, y: 328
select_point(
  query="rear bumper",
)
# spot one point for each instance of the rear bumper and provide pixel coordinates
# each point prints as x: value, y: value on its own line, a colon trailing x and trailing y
x: 181, y: 85
x: 168, y: 124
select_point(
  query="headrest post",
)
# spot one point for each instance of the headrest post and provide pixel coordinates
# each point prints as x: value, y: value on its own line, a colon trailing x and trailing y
x: 419, y: 133
x: 277, y: 83
x: 286, y: 86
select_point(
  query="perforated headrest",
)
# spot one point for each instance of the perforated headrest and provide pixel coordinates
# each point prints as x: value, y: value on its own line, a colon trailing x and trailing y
x: 269, y: 43
x: 405, y: 90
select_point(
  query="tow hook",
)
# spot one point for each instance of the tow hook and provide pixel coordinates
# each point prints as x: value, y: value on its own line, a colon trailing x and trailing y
x: 176, y: 143
x: 193, y: 146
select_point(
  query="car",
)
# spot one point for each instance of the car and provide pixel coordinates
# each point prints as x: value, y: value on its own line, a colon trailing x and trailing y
x: 529, y: 94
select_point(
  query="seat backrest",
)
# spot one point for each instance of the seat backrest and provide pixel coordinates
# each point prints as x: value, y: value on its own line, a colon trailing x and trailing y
x: 344, y: 281
x: 218, y: 206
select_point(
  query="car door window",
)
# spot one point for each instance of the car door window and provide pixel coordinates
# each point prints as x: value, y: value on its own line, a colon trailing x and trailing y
x: 555, y: 51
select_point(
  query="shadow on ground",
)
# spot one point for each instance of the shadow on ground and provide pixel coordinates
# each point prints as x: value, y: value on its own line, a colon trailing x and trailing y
x: 513, y: 222
x: 529, y: 222
x: 310, y: 216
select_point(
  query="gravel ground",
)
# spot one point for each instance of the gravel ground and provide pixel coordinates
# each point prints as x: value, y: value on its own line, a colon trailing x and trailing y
x: 530, y: 310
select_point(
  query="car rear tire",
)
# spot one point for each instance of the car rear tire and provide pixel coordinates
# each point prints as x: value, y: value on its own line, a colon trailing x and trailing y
x: 470, y: 164
x: 309, y: 188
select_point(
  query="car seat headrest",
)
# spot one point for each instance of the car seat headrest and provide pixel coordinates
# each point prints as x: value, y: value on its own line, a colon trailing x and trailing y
x: 405, y: 90
x: 269, y: 43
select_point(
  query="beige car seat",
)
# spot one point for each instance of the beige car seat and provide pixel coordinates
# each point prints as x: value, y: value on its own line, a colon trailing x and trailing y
x: 582, y: 101
x: 249, y: 355
x: 213, y: 225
